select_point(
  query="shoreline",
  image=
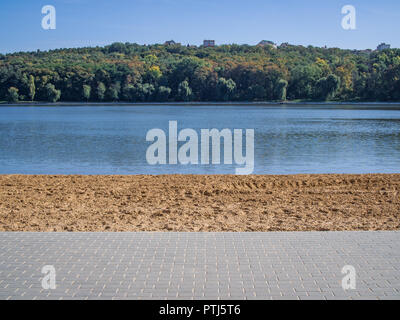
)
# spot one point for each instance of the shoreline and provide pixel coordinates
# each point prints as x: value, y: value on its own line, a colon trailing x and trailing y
x: 187, y: 203
x: 211, y: 103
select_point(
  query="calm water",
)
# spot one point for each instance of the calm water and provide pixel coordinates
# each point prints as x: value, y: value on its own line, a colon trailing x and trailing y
x: 111, y: 139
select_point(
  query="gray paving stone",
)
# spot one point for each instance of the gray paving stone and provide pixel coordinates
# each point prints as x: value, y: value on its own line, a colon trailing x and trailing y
x: 150, y: 265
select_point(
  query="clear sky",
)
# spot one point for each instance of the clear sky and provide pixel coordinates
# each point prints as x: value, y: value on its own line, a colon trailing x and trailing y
x: 100, y: 22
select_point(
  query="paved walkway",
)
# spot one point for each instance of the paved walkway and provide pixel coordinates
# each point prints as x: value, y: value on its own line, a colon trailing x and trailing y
x: 273, y: 265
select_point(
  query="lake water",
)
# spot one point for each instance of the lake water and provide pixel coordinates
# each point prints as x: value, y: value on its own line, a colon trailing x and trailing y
x: 112, y: 139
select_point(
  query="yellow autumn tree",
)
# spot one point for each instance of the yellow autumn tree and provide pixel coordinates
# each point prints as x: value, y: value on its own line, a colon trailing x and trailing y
x: 323, y: 65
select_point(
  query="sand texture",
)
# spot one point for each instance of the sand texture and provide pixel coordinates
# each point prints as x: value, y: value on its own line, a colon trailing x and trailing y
x: 199, y: 203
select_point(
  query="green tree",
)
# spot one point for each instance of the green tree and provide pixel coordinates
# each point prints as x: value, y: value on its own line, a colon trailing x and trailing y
x: 129, y: 92
x: 256, y: 92
x: 302, y: 82
x: 144, y: 92
x: 184, y: 91
x: 114, y: 91
x: 333, y: 84
x: 225, y: 89
x: 327, y: 87
x: 163, y: 93
x: 13, y: 95
x: 280, y: 90
x: 86, y: 89
x: 31, y: 88
x: 53, y: 95
x: 100, y: 91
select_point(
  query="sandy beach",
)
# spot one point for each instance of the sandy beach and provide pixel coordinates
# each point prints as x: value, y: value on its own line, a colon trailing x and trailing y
x: 199, y: 203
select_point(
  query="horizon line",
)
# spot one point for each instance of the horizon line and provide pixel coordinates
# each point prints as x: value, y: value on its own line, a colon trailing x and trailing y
x: 275, y: 45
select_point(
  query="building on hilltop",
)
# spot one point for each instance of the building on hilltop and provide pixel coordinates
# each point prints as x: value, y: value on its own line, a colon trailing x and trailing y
x: 171, y: 43
x: 209, y: 43
x: 264, y: 43
x: 285, y: 45
x: 383, y: 46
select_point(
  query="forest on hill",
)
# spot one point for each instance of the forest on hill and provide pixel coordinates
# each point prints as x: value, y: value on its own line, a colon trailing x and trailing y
x: 160, y: 73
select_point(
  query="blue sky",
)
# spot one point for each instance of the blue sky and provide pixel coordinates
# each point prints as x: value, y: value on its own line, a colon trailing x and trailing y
x: 101, y: 22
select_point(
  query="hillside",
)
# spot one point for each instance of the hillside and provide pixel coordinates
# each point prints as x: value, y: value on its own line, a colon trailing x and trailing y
x: 140, y: 73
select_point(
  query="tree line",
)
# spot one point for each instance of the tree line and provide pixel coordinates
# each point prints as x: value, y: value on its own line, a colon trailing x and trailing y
x: 160, y: 73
